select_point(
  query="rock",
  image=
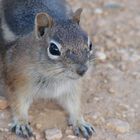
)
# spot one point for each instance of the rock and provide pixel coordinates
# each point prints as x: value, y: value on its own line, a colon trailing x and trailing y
x: 136, y: 75
x: 129, y: 137
x: 32, y: 138
x: 131, y: 113
x: 37, y: 136
x: 113, y: 5
x: 101, y: 56
x: 136, y: 105
x: 124, y: 55
x: 6, y: 130
x: 98, y: 11
x: 105, y: 81
x: 38, y: 126
x: 97, y: 99
x: 118, y: 125
x: 96, y: 115
x: 130, y: 56
x: 1, y: 129
x: 53, y: 134
x: 135, y: 57
x: 118, y: 40
x: 97, y: 119
x: 69, y: 131
x: 122, y: 67
x: 71, y: 137
x: 3, y: 103
x: 110, y: 66
x: 111, y: 90
x: 123, y: 107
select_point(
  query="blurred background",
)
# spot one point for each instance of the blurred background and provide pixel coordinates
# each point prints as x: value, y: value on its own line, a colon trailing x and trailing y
x: 111, y: 94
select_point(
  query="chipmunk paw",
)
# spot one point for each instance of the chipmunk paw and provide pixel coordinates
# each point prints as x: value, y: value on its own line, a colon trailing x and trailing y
x: 85, y: 129
x: 22, y: 130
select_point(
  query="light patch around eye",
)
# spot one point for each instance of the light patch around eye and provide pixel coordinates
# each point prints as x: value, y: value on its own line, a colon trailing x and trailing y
x: 89, y: 43
x: 54, y: 57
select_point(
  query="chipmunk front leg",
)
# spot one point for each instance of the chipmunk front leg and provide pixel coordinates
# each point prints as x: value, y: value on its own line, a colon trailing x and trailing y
x: 71, y: 103
x: 20, y: 124
x: 19, y: 100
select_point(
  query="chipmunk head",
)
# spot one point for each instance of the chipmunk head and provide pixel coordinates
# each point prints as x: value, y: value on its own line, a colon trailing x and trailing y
x: 66, y: 44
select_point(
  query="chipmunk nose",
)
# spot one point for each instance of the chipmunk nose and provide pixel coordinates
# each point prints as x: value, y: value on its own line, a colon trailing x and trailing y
x: 81, y: 70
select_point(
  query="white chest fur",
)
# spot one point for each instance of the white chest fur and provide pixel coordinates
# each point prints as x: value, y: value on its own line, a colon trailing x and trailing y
x: 53, y: 88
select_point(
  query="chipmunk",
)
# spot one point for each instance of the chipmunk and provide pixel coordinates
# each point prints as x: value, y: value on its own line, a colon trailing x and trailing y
x: 50, y: 53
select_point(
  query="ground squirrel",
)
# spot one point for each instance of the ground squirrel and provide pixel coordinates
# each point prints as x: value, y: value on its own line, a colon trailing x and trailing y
x: 49, y: 53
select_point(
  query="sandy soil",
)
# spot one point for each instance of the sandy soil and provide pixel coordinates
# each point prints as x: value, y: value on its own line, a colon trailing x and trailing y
x: 111, y: 94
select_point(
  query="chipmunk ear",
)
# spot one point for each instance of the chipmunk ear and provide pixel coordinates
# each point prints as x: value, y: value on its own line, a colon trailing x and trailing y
x: 42, y: 22
x: 77, y: 14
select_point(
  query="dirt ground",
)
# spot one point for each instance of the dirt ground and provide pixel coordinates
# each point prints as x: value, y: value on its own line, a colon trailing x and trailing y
x: 111, y: 93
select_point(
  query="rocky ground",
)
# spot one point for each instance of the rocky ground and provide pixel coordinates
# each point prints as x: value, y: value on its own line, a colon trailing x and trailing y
x: 111, y: 94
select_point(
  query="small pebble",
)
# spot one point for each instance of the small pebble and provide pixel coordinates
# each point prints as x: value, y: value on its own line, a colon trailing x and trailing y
x: 6, y: 129
x: 123, y: 106
x: 96, y: 115
x: 1, y: 129
x: 118, y: 40
x: 136, y: 75
x: 53, y: 134
x: 37, y: 136
x: 38, y: 126
x: 134, y: 136
x: 135, y: 57
x: 118, y: 125
x: 98, y: 11
x: 101, y: 56
x: 113, y: 5
x: 71, y: 137
x: 105, y: 81
x: 96, y: 99
x: 69, y: 131
x: 122, y: 67
x: 111, y: 90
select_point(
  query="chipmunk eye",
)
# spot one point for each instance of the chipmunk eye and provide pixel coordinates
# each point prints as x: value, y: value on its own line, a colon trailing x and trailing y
x: 90, y: 46
x: 54, y: 50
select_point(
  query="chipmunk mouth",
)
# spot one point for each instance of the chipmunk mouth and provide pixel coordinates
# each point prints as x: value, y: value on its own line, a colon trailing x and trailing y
x: 77, y: 73
x: 74, y: 75
x: 73, y: 78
